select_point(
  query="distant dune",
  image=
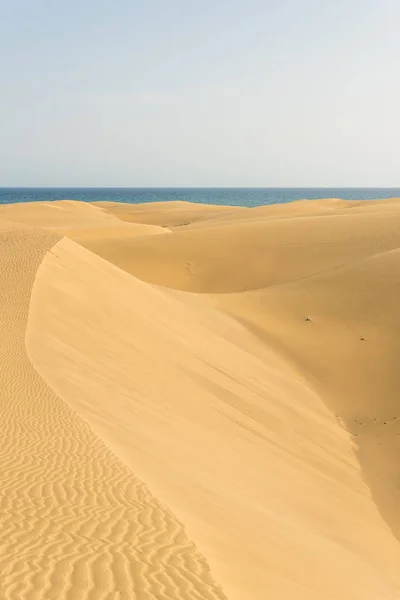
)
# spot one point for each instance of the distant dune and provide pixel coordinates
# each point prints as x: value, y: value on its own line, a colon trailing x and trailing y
x: 198, y: 402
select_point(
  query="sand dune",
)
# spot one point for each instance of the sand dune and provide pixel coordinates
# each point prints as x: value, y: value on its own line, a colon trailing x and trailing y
x: 75, y: 521
x: 207, y: 413
x: 75, y: 219
x: 252, y: 252
x: 168, y: 214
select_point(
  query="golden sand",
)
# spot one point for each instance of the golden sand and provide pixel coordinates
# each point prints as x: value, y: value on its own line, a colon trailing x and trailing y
x: 200, y: 402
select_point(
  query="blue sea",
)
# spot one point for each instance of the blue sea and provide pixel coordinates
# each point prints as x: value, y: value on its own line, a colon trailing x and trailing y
x: 229, y: 196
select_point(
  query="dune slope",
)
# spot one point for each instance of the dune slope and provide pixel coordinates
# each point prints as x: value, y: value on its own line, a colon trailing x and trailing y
x: 348, y: 352
x: 75, y: 522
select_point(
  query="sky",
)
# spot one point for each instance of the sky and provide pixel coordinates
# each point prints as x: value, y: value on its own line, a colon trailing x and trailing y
x: 165, y: 93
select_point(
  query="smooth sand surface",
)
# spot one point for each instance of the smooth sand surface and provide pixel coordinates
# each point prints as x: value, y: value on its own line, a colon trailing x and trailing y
x: 200, y: 402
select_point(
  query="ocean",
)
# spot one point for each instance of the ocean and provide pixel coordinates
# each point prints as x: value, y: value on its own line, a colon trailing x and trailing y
x: 229, y: 196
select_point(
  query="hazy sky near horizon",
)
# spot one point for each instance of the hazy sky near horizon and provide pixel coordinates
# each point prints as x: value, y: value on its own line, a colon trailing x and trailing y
x: 210, y: 93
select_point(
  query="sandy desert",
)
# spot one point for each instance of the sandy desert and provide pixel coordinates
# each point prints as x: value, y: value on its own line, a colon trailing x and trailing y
x: 200, y: 402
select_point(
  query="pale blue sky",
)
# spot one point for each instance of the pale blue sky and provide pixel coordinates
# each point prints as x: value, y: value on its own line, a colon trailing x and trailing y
x: 200, y: 93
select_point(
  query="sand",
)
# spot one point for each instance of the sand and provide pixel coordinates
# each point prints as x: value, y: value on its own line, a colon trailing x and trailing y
x: 200, y: 402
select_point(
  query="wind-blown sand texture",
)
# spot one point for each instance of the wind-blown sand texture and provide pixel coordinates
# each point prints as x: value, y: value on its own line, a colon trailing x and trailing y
x: 200, y: 402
